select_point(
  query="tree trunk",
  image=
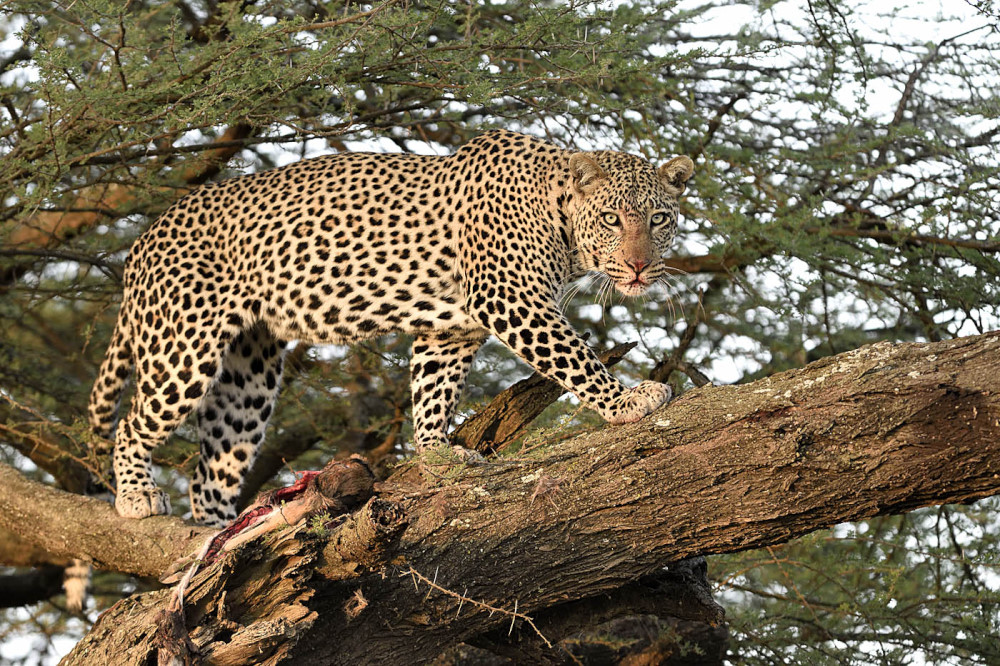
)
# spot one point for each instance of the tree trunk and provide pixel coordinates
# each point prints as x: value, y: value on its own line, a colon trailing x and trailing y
x: 532, y: 545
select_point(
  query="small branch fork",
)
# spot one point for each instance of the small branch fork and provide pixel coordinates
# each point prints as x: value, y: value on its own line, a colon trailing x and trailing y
x: 462, y: 599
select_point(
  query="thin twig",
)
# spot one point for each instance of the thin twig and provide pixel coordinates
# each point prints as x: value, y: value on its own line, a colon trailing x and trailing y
x: 462, y: 598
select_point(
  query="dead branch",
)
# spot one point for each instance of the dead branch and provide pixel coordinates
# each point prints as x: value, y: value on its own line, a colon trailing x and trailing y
x: 504, y: 420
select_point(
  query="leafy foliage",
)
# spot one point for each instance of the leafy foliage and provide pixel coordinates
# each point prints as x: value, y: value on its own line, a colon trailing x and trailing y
x: 910, y: 589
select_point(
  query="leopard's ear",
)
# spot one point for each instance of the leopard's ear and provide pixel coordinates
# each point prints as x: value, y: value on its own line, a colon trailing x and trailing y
x: 676, y: 172
x: 586, y: 172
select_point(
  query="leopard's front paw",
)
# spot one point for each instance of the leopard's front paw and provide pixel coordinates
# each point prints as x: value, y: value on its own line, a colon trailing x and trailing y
x: 637, y: 402
x: 142, y: 502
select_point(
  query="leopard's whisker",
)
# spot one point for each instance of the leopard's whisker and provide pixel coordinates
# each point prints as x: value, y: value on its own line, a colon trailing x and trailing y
x: 671, y: 288
x: 606, y: 293
x: 606, y: 296
x: 574, y: 289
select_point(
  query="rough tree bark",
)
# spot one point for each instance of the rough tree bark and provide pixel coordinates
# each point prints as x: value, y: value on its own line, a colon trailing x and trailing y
x: 453, y: 565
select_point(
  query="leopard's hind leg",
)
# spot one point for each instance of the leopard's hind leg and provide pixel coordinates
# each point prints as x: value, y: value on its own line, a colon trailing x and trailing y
x: 438, y: 368
x: 231, y: 422
x: 176, y: 358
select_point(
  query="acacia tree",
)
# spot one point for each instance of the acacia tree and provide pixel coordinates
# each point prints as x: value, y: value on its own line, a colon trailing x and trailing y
x: 846, y: 192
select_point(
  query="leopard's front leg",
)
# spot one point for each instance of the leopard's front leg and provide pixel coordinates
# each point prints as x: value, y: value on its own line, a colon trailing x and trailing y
x: 535, y: 329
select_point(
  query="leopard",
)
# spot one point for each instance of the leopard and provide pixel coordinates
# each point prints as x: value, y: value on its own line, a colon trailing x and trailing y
x: 449, y: 249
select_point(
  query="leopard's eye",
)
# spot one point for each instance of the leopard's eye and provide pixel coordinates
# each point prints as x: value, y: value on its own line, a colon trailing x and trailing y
x: 610, y: 220
x: 657, y: 218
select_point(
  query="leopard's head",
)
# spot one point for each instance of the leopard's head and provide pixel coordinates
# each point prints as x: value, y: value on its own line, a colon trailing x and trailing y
x: 624, y: 215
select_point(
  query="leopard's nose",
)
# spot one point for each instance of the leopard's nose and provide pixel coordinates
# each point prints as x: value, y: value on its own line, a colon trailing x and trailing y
x: 637, y: 265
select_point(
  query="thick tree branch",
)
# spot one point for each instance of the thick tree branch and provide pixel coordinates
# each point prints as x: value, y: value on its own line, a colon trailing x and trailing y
x: 880, y: 430
x: 709, y: 263
x: 68, y: 525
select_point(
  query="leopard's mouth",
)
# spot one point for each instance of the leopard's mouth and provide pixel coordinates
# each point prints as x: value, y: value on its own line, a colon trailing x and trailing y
x: 633, y: 287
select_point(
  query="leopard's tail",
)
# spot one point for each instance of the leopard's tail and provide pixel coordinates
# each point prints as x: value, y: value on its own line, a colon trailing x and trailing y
x: 76, y: 580
x: 111, y: 380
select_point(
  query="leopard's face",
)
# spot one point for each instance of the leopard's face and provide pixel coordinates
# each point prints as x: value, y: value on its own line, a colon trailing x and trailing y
x: 625, y: 217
